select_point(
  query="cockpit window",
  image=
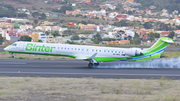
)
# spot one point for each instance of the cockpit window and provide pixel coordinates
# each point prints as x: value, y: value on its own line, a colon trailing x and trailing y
x: 14, y: 44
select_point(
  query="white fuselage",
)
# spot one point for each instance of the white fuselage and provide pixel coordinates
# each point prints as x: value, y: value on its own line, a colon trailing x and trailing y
x: 79, y: 51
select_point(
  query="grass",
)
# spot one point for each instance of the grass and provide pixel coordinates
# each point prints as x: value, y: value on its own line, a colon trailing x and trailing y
x: 170, y: 54
x: 77, y: 89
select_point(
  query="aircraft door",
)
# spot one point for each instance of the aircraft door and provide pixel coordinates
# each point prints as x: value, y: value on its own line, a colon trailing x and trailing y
x: 21, y: 46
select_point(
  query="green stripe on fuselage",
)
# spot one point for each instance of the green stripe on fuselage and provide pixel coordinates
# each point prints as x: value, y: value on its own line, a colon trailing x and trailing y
x: 43, y: 54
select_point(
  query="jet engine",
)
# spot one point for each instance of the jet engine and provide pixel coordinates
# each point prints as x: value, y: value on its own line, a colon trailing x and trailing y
x: 134, y: 52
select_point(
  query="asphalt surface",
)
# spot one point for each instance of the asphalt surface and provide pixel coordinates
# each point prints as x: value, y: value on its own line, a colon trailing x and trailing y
x: 2, y: 48
x: 79, y: 69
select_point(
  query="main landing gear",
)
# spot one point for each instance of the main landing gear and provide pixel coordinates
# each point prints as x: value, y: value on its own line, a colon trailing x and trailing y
x: 12, y: 55
x: 93, y: 64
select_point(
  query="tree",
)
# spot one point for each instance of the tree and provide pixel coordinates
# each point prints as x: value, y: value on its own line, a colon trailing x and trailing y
x: 85, y: 16
x: 36, y: 21
x: 61, y: 21
x: 40, y: 41
x: 148, y: 25
x: 25, y: 38
x: 47, y: 32
x: 136, y: 36
x: 35, y: 14
x: 75, y: 37
x: 55, y: 34
x: 166, y: 27
x: 79, y: 15
x: 95, y: 41
x: 178, y: 27
x: 117, y: 8
x: 64, y: 8
x: 98, y: 37
x: 84, y: 22
x: 171, y: 35
x: 22, y: 15
x: 136, y: 41
x: 33, y: 8
x: 151, y: 37
x: 130, y: 12
x: 129, y: 38
x: 1, y: 39
x: 42, y: 16
x: 121, y: 23
x: 156, y: 35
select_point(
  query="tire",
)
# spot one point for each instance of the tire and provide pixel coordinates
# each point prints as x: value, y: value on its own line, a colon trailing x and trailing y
x: 96, y: 64
x: 90, y: 65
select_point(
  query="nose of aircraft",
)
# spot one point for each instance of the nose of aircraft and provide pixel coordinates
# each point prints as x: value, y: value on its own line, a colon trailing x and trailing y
x: 5, y: 49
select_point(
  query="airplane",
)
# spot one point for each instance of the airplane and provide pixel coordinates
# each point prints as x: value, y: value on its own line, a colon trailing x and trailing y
x: 93, y: 54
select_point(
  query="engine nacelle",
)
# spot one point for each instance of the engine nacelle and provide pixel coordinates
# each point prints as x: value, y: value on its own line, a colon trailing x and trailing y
x: 133, y: 52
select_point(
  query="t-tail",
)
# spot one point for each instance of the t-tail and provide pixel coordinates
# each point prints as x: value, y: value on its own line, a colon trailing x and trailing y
x: 157, y: 49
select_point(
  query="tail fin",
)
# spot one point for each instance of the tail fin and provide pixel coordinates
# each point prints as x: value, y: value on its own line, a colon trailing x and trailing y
x: 159, y: 46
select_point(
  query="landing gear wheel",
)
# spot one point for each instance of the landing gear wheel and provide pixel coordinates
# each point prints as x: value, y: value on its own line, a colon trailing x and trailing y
x: 12, y: 56
x: 96, y: 64
x: 90, y: 65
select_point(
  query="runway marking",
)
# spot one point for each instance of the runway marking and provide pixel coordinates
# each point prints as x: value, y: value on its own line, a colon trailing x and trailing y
x: 10, y: 63
x: 102, y: 74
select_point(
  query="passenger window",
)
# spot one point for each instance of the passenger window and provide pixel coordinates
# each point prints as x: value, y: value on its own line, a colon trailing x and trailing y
x: 93, y: 50
x: 71, y: 48
x: 78, y: 49
x: 115, y: 51
x: 61, y: 47
x: 112, y: 51
x: 104, y: 50
x: 99, y: 50
x: 64, y: 48
x: 75, y: 48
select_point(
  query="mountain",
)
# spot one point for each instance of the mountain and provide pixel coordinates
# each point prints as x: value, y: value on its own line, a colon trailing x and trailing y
x: 31, y: 4
x: 170, y: 5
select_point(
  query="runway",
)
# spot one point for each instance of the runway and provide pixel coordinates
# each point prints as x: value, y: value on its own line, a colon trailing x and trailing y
x: 2, y: 48
x: 79, y: 69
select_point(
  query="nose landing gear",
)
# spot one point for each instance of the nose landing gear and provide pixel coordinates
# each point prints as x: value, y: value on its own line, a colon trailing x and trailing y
x: 12, y: 55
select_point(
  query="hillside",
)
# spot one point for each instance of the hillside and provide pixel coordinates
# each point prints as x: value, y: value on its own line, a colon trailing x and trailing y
x: 170, y: 5
x: 31, y: 4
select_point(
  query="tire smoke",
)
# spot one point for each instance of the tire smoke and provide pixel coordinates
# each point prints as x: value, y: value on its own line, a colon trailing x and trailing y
x: 157, y: 63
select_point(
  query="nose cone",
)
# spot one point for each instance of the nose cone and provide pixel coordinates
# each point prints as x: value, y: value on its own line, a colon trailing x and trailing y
x: 7, y: 49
